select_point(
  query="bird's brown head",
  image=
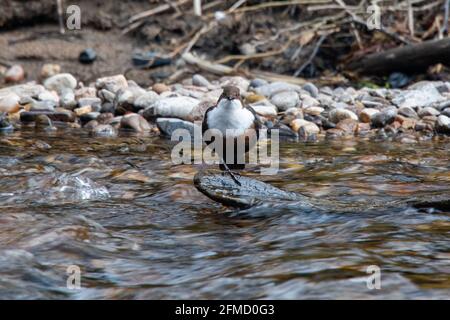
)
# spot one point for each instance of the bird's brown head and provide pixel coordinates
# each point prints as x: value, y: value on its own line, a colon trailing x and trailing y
x: 230, y: 93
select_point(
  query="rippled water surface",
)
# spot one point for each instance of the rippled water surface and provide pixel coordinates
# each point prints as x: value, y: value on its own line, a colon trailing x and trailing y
x: 137, y: 227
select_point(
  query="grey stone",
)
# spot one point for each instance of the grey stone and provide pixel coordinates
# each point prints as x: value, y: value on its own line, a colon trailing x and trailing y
x: 199, y: 80
x: 428, y: 111
x: 255, y: 83
x: 443, y: 124
x: 146, y: 100
x: 134, y: 122
x: 112, y: 83
x: 339, y: 114
x: 167, y: 126
x: 285, y: 100
x: 60, y: 81
x: 312, y: 89
x: 425, y: 96
x: 408, y: 112
x: 47, y: 105
x: 271, y: 89
x: 384, y: 117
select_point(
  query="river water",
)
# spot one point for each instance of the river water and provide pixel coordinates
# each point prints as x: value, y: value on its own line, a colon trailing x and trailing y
x: 137, y: 228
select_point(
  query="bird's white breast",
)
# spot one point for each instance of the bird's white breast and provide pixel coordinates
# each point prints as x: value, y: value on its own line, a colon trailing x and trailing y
x: 230, y: 118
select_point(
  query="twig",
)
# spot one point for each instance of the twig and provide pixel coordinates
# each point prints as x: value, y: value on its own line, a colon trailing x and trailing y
x: 198, y: 7
x: 236, y: 5
x: 174, y: 6
x: 358, y: 20
x: 154, y: 11
x: 243, y: 57
x: 197, y: 36
x: 215, y: 68
x: 410, y: 18
x: 312, y: 56
x: 273, y: 4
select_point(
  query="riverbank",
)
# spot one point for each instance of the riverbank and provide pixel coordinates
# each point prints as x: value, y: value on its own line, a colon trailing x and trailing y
x: 303, y: 113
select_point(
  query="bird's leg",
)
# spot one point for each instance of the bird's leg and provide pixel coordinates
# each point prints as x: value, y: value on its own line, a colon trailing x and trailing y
x: 233, y: 176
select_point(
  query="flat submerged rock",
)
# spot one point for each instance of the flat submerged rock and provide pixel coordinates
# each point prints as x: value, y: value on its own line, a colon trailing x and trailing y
x: 220, y: 187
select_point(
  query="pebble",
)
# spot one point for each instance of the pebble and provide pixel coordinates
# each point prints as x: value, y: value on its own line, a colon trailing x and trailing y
x: 366, y: 114
x: 94, y: 102
x: 296, y: 124
x: 134, y: 122
x: 83, y: 110
x: 408, y: 112
x: 49, y: 69
x: 57, y: 115
x: 408, y: 123
x: 199, y: 80
x: 308, y: 101
x: 255, y: 83
x: 384, y: 117
x: 236, y: 81
x: 446, y: 112
x: 106, y: 95
x: 49, y: 95
x: 46, y: 105
x: 167, y: 126
x: 398, y: 80
x: 160, y: 88
x: 108, y: 107
x: 146, y: 100
x: 308, y: 131
x: 174, y: 107
x: 254, y: 98
x: 15, y: 74
x: 43, y: 122
x: 285, y: 100
x: 428, y: 111
x: 85, y: 92
x: 421, y: 96
x: 315, y: 111
x: 443, y: 124
x: 9, y: 103
x: 67, y: 100
x: 112, y: 84
x: 90, y: 125
x: 265, y: 111
x: 340, y: 114
x: 312, y: 89
x: 348, y: 126
x: 5, y: 125
x: 60, y: 81
x: 87, y: 56
x: 124, y: 101
x: 290, y: 115
x: 271, y: 89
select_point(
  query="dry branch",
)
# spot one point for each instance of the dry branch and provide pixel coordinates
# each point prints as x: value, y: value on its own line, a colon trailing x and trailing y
x: 410, y: 58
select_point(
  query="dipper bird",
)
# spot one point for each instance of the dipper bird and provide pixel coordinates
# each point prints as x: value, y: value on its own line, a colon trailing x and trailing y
x: 235, y: 122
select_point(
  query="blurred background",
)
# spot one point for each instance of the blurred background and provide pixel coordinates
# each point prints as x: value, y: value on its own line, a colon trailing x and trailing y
x: 325, y: 40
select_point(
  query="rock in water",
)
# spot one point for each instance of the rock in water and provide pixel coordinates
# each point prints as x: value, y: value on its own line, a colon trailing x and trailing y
x: 4, y: 123
x: 443, y: 124
x: 222, y: 188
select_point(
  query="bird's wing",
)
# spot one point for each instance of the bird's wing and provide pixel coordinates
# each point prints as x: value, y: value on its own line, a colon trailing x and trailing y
x: 257, y: 123
x: 205, y: 119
